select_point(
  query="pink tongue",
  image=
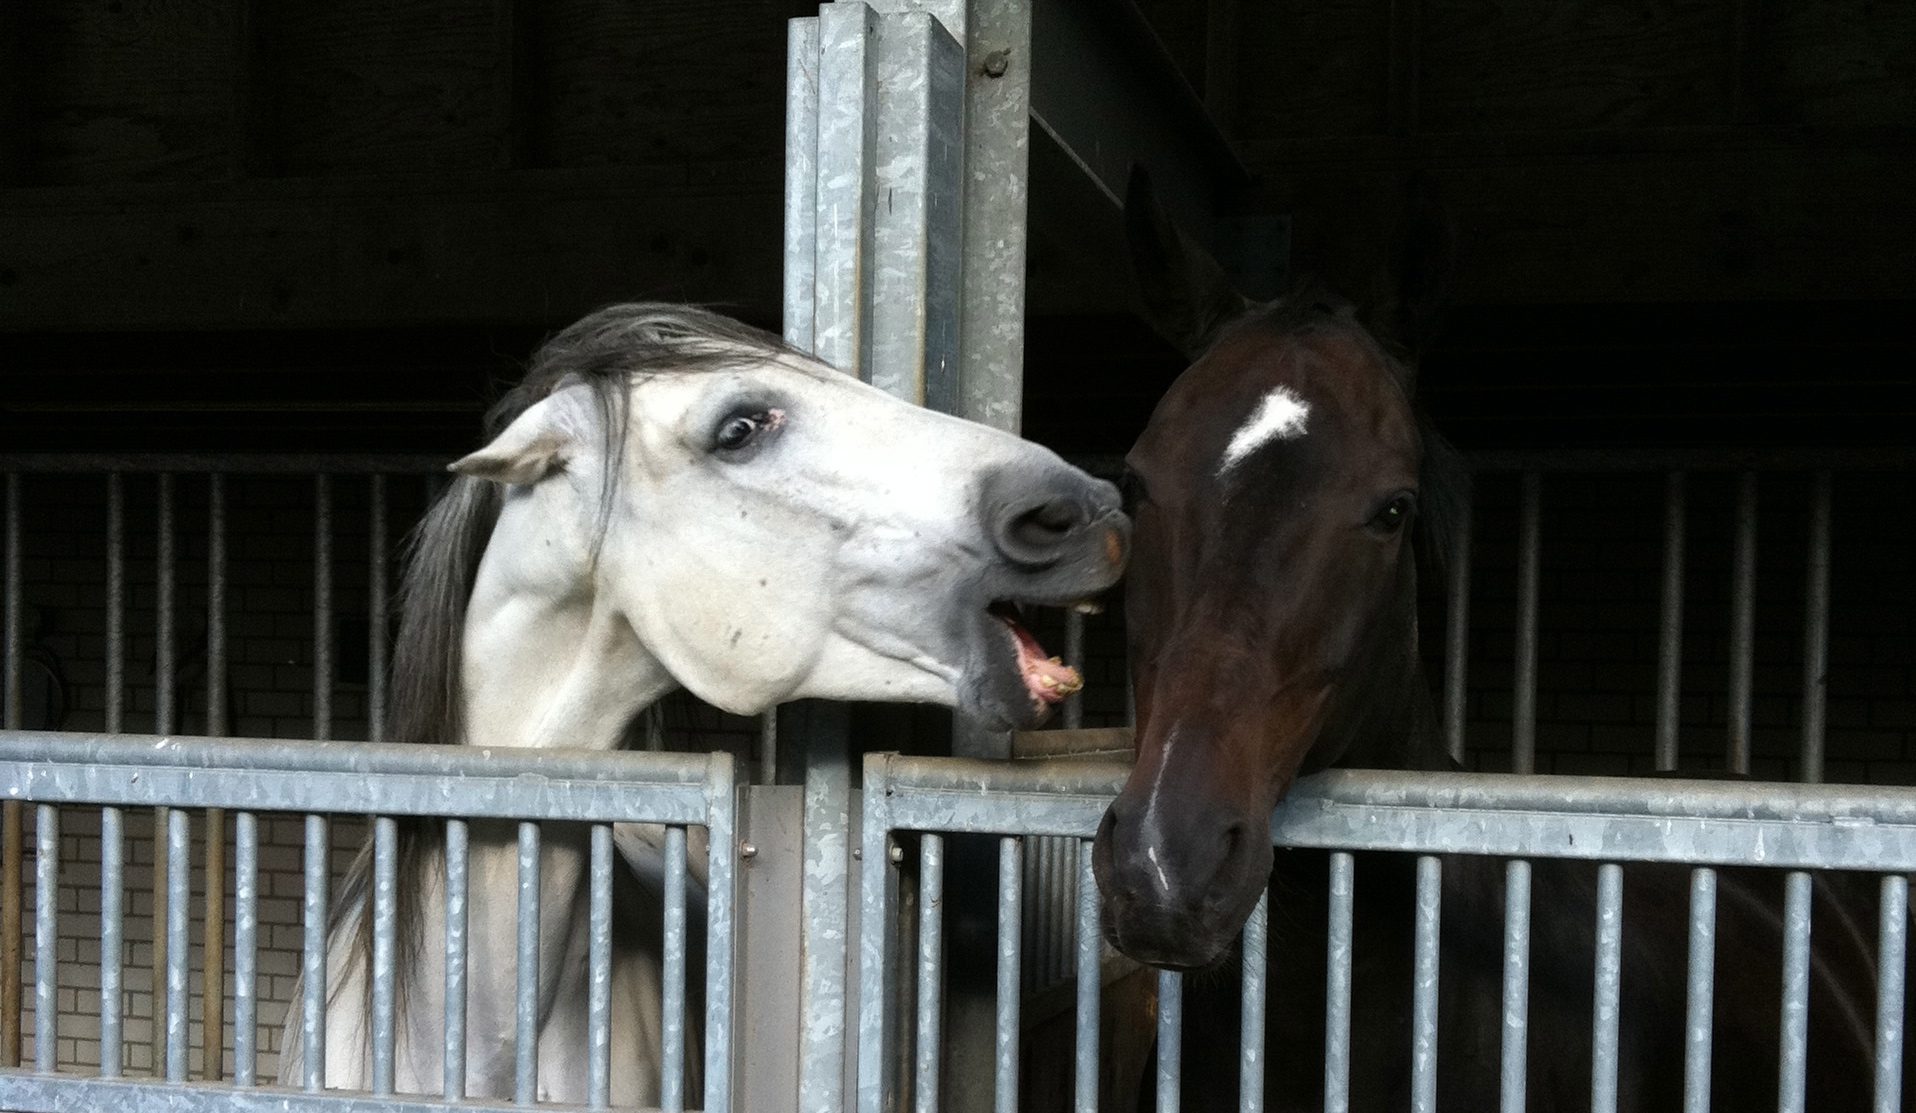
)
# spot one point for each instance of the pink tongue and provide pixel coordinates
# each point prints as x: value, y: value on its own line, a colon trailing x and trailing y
x: 1046, y: 678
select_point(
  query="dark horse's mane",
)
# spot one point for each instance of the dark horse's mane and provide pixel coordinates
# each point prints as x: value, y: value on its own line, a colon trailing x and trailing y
x: 606, y: 350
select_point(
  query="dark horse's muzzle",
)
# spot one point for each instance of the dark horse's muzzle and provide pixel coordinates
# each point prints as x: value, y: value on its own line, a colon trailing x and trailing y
x: 1179, y: 869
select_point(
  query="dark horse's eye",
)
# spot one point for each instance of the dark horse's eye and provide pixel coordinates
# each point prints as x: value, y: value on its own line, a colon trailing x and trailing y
x: 1393, y: 514
x: 741, y: 429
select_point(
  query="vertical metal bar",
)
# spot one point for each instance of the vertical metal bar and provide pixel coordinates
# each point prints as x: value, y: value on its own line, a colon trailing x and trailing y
x: 1423, y: 1037
x: 1796, y: 993
x: 598, y: 1009
x: 376, y: 619
x: 1090, y: 983
x: 801, y: 181
x: 1337, y: 995
x: 720, y: 942
x: 525, y: 1025
x: 1891, y: 955
x: 1516, y: 1025
x: 1700, y: 1004
x: 12, y: 821
x: 1250, y: 1053
x: 179, y: 906
x: 46, y: 935
x: 213, y: 922
x: 931, y: 959
x: 1074, y: 653
x: 245, y: 947
x: 163, y: 694
x: 1605, y: 1009
x: 112, y: 938
x: 1816, y: 630
x: 996, y: 196
x: 874, y: 961
x: 322, y: 607
x: 1170, y: 1040
x: 385, y: 930
x: 1457, y: 635
x: 768, y: 747
x: 312, y: 1017
x: 1670, y: 622
x: 672, y: 1079
x: 115, y: 602
x: 454, y: 1050
x: 1523, y: 740
x: 1742, y: 624
x: 213, y: 951
x: 1010, y: 908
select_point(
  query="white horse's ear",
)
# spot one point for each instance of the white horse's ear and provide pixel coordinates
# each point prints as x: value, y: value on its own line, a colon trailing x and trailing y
x: 536, y: 444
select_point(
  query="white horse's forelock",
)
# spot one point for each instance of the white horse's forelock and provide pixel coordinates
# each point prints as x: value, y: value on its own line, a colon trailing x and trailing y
x: 1280, y: 416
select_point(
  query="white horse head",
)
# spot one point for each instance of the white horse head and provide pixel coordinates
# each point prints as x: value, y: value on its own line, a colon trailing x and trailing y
x: 673, y: 499
x: 716, y: 511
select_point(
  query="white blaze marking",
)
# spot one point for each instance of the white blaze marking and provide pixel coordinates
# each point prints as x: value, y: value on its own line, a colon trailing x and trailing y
x: 1164, y: 883
x: 1279, y: 416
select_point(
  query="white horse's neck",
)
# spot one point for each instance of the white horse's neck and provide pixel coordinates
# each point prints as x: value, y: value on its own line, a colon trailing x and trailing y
x: 546, y: 663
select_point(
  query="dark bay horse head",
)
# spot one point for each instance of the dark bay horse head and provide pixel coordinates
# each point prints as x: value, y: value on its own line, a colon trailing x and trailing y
x: 1271, y: 606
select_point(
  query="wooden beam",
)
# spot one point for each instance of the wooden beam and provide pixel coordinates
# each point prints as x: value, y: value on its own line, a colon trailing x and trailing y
x: 529, y: 247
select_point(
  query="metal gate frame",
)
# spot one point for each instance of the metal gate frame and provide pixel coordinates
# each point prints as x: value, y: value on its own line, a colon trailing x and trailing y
x: 248, y: 776
x: 1611, y: 820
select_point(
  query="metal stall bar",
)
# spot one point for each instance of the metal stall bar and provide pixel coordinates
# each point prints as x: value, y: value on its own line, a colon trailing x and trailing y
x: 1700, y: 1002
x: 1670, y: 624
x: 1742, y: 624
x: 1523, y: 737
x: 1255, y: 947
x: 598, y: 1010
x: 720, y: 816
x: 1090, y: 982
x: 312, y: 967
x: 931, y: 956
x: 1606, y: 1008
x: 672, y: 1078
x: 12, y: 825
x: 1423, y: 1022
x: 1170, y: 1041
x: 179, y: 901
x: 213, y: 921
x: 1816, y: 630
x: 1010, y: 902
x: 1795, y: 1021
x: 163, y: 723
x: 458, y: 875
x: 525, y: 1023
x: 245, y: 947
x: 1457, y: 635
x: 46, y: 934
x: 1891, y: 956
x: 385, y: 913
x: 1516, y: 1000
x: 112, y: 938
x: 1337, y: 989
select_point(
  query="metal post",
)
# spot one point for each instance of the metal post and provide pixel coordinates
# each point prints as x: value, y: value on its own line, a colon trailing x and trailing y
x: 1606, y: 1010
x: 1816, y: 630
x: 1337, y: 991
x: 1457, y: 637
x: 245, y: 947
x: 1516, y: 1041
x: 1423, y: 1039
x: 1670, y: 624
x: 213, y: 925
x: 112, y: 938
x: 1523, y: 741
x: 12, y: 825
x: 1700, y: 1008
x: 1742, y: 624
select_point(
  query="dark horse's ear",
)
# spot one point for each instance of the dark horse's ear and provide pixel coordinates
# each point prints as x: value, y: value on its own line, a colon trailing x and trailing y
x: 1186, y: 296
x: 1408, y: 297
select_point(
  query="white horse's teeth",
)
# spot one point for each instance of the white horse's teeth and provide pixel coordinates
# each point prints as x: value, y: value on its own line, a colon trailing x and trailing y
x: 1087, y: 606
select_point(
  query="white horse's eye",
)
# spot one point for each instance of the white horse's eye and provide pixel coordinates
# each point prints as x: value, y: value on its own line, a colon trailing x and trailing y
x: 741, y: 430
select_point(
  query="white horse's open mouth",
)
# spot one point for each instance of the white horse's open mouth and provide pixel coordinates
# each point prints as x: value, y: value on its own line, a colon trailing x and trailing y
x: 1047, y: 680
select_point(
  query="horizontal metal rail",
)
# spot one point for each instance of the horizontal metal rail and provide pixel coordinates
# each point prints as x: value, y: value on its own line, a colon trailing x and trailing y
x: 358, y: 777
x: 29, y: 1094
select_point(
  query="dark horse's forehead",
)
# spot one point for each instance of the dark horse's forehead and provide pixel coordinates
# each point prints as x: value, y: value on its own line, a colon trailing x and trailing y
x: 1322, y: 385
